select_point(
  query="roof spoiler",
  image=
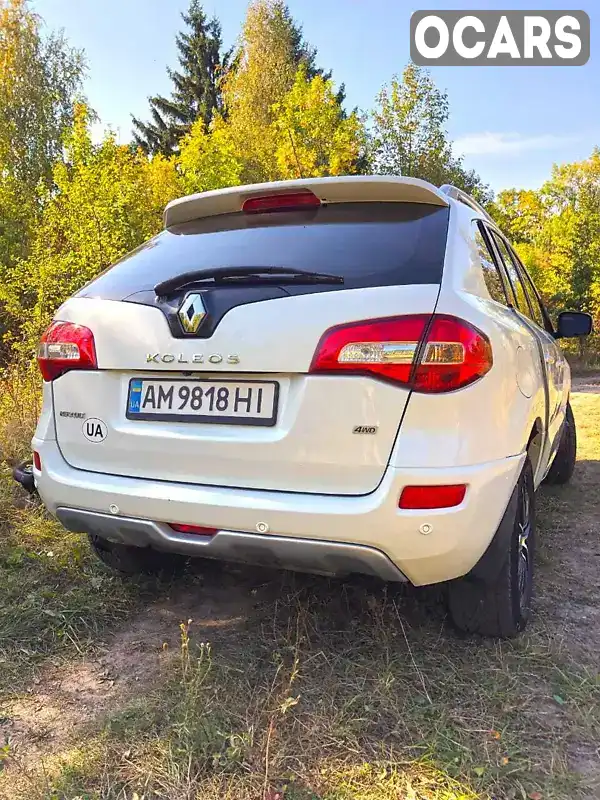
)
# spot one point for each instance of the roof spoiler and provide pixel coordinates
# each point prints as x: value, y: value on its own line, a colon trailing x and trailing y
x: 457, y: 194
x: 338, y: 189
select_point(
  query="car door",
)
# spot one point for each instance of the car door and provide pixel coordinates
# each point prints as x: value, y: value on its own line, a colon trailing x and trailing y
x: 551, y: 358
x: 557, y: 367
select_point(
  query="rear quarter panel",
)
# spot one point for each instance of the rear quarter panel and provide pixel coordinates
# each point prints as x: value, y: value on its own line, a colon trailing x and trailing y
x: 493, y: 418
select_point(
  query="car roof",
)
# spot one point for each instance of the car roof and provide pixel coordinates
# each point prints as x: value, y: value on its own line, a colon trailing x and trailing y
x: 339, y: 189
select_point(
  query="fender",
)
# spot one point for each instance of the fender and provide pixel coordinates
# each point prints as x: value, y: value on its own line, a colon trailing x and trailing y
x: 489, y: 565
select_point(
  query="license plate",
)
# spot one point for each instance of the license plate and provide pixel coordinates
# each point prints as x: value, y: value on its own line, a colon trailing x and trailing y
x: 216, y: 401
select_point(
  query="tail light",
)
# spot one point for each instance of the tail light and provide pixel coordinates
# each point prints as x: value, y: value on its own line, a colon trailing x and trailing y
x: 283, y: 201
x: 426, y: 353
x: 37, y: 461
x: 66, y: 346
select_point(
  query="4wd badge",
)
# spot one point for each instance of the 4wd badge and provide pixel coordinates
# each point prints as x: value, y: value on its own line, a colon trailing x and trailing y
x: 365, y: 429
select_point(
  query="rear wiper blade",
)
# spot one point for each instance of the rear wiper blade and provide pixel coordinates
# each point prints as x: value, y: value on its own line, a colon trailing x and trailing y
x: 243, y: 275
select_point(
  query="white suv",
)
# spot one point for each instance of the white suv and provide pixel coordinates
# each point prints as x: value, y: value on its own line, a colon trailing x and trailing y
x: 336, y: 375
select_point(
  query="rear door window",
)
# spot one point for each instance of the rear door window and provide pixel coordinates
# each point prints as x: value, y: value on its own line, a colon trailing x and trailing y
x: 540, y: 316
x: 518, y: 290
x: 491, y: 274
x: 536, y: 310
x: 368, y: 244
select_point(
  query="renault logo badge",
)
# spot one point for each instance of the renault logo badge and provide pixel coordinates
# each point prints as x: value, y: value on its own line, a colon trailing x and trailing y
x: 191, y: 313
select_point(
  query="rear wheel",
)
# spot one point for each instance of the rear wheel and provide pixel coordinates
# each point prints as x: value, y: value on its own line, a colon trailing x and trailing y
x: 564, y: 461
x: 498, y: 603
x: 130, y: 560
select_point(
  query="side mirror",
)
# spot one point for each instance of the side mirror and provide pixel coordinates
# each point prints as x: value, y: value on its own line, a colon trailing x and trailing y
x: 573, y: 323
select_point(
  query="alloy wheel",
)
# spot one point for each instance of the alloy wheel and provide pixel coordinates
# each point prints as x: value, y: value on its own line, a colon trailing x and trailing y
x: 524, y: 565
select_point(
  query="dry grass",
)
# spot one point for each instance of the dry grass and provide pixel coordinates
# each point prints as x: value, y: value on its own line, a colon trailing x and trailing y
x: 20, y: 398
x: 297, y: 687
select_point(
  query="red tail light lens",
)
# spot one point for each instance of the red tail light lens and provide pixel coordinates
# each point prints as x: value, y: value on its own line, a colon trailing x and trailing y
x: 37, y: 461
x: 285, y: 201
x: 385, y: 347
x: 456, y: 354
x: 199, y: 530
x: 426, y: 353
x: 416, y: 497
x: 66, y: 346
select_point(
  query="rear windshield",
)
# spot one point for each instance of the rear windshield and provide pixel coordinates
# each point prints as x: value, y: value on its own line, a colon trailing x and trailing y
x: 368, y: 244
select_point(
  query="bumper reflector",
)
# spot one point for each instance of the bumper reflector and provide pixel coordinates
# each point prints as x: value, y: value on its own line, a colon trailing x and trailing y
x: 37, y: 461
x: 198, y: 530
x: 415, y: 497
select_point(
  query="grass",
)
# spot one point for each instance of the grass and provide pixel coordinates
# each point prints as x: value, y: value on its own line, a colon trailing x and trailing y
x: 54, y: 601
x: 312, y: 707
x: 244, y: 684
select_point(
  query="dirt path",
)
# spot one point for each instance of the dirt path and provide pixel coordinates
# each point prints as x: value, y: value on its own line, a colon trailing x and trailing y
x: 588, y: 384
x: 66, y: 700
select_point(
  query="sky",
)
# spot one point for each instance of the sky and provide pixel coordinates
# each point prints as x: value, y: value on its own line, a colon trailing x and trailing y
x: 510, y: 123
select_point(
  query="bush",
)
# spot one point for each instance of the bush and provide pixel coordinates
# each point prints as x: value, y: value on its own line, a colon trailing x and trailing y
x: 20, y: 400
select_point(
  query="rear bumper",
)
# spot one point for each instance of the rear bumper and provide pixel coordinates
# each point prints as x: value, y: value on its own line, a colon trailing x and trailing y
x: 304, y: 555
x: 425, y: 546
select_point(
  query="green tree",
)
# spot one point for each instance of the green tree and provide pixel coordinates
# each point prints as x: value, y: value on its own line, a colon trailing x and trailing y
x: 40, y: 76
x: 571, y: 235
x: 556, y: 231
x: 523, y: 215
x: 208, y: 159
x: 270, y: 52
x: 106, y: 200
x: 519, y: 213
x: 313, y: 136
x: 409, y: 134
x: 309, y: 135
x: 197, y: 93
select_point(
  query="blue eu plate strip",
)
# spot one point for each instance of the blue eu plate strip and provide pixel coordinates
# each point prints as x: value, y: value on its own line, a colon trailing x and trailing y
x: 135, y: 396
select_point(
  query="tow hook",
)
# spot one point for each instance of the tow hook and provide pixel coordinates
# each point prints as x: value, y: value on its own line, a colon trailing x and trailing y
x: 23, y: 474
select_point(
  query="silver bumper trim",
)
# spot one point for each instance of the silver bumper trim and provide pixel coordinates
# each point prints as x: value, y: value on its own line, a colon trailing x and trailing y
x: 302, y: 555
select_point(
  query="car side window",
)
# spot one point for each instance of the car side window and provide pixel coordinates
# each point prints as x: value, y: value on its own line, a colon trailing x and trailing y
x: 491, y: 274
x: 539, y: 315
x: 513, y: 275
x: 533, y: 301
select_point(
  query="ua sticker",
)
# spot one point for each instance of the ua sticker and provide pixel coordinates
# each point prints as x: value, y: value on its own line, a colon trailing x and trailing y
x: 94, y: 430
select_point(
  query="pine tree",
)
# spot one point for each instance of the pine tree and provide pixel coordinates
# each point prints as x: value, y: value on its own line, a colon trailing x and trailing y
x: 197, y: 86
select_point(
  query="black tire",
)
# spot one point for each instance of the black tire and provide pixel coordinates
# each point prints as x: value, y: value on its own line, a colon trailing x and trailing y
x: 497, y: 603
x: 563, y: 465
x: 130, y: 560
